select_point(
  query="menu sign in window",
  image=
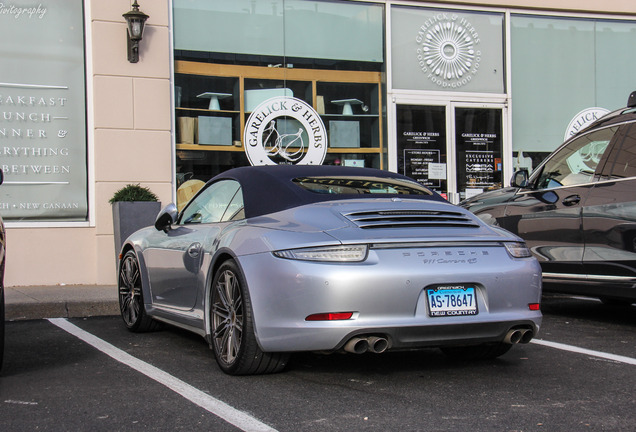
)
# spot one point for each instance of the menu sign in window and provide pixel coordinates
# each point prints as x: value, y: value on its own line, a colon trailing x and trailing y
x: 42, y: 111
x: 424, y: 167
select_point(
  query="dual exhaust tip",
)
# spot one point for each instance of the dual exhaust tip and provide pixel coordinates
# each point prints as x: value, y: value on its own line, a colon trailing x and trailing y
x: 362, y: 344
x: 379, y: 344
x: 519, y: 335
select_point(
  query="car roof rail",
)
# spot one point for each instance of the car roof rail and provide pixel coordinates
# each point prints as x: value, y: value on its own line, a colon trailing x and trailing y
x: 631, y: 101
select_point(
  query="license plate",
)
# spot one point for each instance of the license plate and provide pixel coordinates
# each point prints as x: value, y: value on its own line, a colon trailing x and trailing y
x: 451, y: 300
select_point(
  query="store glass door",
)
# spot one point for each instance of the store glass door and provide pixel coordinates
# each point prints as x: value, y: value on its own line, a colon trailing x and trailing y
x: 478, y: 148
x: 422, y: 152
x: 456, y: 149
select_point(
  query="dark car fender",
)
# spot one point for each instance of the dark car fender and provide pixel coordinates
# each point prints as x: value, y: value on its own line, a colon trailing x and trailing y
x: 490, y: 206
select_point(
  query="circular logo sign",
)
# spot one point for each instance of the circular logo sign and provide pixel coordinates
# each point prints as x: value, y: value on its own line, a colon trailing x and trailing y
x: 447, y: 50
x: 582, y: 119
x: 285, y: 130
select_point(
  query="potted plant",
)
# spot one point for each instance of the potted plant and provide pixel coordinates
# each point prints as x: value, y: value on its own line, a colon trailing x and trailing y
x: 134, y: 207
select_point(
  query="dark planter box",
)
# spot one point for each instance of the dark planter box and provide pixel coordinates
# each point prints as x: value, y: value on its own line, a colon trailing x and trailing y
x: 130, y: 216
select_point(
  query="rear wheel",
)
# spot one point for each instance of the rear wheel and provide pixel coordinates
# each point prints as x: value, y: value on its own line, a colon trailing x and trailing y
x: 233, y: 337
x: 477, y: 352
x: 131, y: 299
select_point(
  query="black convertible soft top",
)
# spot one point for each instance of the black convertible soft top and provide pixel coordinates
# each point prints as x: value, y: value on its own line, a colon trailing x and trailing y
x: 271, y: 188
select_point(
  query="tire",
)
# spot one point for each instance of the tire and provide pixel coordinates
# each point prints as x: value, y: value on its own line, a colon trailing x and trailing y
x: 477, y: 352
x: 233, y: 338
x: 131, y: 298
x: 1, y: 324
x: 610, y: 301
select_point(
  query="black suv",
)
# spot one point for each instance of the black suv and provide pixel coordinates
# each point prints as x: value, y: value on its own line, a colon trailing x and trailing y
x: 577, y: 210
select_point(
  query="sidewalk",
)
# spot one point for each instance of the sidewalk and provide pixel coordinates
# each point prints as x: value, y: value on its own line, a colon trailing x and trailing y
x: 60, y: 301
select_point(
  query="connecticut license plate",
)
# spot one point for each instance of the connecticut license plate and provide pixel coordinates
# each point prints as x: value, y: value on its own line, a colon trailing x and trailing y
x: 451, y: 300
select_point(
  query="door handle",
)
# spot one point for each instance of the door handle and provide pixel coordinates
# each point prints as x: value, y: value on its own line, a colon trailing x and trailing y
x: 571, y: 200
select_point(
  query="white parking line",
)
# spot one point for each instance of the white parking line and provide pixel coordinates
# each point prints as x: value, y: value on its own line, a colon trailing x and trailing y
x: 593, y: 353
x: 231, y: 415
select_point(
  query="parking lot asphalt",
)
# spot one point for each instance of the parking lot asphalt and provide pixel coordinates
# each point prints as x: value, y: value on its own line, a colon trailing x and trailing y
x: 60, y: 301
x: 70, y: 374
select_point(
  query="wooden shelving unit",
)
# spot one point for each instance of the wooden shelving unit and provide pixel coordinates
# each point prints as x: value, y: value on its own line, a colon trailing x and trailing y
x: 317, y: 87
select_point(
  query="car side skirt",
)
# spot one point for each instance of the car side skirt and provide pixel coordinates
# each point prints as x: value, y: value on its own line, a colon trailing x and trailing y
x: 561, y: 277
x: 591, y: 285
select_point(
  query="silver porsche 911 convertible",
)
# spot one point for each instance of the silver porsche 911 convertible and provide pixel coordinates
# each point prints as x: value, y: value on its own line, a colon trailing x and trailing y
x: 265, y: 261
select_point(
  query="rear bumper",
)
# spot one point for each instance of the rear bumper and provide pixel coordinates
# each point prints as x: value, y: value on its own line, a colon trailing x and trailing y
x: 333, y: 336
x: 387, y: 294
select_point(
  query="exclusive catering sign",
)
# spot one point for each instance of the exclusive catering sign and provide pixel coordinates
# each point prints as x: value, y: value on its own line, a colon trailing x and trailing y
x: 285, y: 130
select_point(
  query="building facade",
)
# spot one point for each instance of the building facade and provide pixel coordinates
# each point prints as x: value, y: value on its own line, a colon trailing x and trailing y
x: 457, y: 95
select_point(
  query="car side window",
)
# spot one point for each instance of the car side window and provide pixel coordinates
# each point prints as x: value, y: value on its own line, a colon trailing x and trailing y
x: 576, y: 163
x: 213, y: 203
x: 623, y: 164
x: 235, y: 210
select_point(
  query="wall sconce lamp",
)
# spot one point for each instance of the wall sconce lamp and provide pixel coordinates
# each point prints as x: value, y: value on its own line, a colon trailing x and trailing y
x: 135, y: 20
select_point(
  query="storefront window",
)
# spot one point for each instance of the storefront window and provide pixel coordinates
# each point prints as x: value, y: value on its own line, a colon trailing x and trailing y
x: 42, y: 111
x: 561, y: 67
x: 327, y: 56
x: 312, y: 30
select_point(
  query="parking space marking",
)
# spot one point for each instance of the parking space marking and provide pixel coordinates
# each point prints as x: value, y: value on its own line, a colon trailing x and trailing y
x: 231, y: 415
x: 571, y: 348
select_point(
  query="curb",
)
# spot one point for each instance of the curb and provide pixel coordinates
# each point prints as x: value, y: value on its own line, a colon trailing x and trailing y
x: 19, y: 312
x: 60, y: 301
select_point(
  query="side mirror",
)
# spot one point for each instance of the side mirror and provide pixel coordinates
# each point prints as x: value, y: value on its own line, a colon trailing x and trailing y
x: 166, y: 217
x: 520, y: 179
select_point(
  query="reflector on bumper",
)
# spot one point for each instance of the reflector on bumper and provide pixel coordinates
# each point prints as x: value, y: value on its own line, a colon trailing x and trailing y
x: 338, y: 316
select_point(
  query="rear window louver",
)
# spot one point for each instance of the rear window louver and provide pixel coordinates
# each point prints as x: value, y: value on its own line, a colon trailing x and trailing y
x: 410, y: 219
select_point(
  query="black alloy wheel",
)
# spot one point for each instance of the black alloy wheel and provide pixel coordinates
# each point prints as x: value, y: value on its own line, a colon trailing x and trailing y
x: 233, y: 338
x: 131, y: 300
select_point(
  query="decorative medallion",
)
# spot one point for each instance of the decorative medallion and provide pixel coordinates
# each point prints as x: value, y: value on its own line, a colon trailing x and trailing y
x: 285, y: 130
x: 447, y: 50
